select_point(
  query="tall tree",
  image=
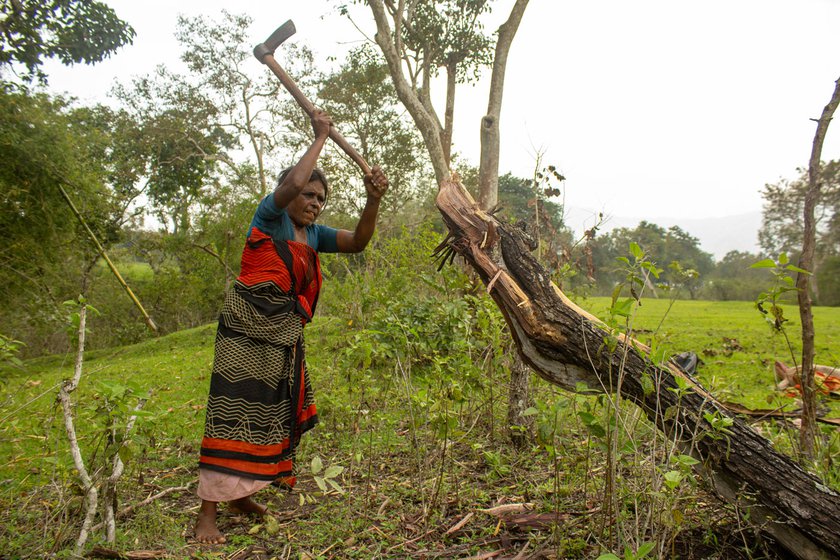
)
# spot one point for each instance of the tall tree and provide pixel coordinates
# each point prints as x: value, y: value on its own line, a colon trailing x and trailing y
x: 217, y: 120
x: 451, y: 39
x: 178, y: 144
x: 784, y: 205
x: 664, y: 247
x: 219, y: 57
x: 72, y: 31
x: 45, y: 146
x: 412, y: 58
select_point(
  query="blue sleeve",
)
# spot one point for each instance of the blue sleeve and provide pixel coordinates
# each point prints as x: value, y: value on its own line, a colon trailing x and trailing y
x: 275, y: 222
x: 267, y: 211
x: 327, y: 239
x: 268, y: 218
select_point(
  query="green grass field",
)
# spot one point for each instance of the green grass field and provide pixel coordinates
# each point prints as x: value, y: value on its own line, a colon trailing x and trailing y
x: 734, y: 342
x: 395, y: 488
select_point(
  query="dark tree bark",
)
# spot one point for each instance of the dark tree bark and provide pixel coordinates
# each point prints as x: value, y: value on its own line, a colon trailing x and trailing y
x: 565, y: 345
x: 520, y: 427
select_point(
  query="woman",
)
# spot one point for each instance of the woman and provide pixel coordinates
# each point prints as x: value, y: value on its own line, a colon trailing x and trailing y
x: 260, y: 399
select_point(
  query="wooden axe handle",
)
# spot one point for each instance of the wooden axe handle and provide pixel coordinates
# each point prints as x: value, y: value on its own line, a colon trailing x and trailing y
x: 309, y: 108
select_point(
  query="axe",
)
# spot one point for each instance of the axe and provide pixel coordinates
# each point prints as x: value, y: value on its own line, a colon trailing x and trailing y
x: 265, y: 54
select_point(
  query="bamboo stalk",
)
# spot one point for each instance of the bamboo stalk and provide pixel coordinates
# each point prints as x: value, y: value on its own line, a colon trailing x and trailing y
x: 101, y: 249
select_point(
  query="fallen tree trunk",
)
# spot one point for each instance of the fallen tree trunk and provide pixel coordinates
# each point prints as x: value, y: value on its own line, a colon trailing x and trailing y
x: 565, y: 345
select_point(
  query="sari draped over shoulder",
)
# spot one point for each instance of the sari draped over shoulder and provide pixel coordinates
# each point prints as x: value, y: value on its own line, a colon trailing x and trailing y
x: 261, y: 400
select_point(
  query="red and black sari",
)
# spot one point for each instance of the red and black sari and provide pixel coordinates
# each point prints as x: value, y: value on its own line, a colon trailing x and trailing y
x: 261, y: 400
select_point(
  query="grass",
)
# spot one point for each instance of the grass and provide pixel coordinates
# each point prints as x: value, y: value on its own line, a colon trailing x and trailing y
x: 737, y: 347
x: 405, y: 487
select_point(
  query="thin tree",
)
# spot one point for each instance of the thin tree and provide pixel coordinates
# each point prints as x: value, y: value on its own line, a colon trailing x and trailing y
x: 807, y: 434
x: 415, y: 96
x: 425, y: 37
x: 488, y: 171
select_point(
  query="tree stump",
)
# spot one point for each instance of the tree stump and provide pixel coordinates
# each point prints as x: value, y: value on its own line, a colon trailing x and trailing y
x: 565, y: 345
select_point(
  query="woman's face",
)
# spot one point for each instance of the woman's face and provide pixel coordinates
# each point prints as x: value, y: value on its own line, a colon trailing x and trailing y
x: 307, y: 206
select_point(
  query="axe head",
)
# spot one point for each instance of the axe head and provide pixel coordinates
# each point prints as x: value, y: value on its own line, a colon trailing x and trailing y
x: 275, y: 39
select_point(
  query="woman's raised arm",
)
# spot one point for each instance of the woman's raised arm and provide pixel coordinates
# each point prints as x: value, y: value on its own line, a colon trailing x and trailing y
x: 376, y: 184
x: 298, y: 176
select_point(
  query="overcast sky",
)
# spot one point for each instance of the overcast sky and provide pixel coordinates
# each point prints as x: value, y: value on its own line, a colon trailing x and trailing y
x: 650, y: 108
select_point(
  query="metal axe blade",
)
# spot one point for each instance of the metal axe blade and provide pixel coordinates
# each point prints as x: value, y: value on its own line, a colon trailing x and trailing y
x: 274, y: 40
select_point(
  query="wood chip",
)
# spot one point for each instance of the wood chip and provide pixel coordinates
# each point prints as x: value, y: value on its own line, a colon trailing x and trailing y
x: 493, y: 281
x: 508, y: 508
x: 460, y: 524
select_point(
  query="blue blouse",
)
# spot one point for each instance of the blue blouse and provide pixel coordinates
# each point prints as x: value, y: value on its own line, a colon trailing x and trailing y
x: 276, y: 223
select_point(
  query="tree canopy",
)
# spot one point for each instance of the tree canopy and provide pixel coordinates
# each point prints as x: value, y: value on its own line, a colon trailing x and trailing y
x: 663, y: 247
x: 73, y: 31
x: 781, y: 227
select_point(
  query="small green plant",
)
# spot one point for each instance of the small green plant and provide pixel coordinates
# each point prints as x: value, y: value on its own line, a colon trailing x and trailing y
x: 637, y: 275
x: 718, y: 425
x: 326, y: 476
x: 497, y: 463
x: 10, y: 350
x: 769, y: 302
x: 641, y: 553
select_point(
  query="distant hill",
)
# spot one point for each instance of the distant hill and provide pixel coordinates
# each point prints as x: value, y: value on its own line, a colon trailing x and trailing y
x: 717, y: 236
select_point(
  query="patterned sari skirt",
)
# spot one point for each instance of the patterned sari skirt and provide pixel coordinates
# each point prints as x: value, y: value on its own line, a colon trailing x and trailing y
x: 261, y: 400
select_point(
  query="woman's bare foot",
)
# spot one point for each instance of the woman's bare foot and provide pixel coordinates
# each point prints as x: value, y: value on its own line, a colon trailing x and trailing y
x: 247, y: 505
x: 206, y: 531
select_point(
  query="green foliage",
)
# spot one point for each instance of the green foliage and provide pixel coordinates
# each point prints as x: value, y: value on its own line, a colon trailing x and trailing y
x: 734, y: 278
x: 629, y: 554
x: 662, y: 247
x: 782, y: 219
x: 72, y: 31
x: 828, y: 281
x: 718, y: 425
x: 324, y: 476
x: 46, y: 143
x: 9, y: 351
x: 176, y: 145
x: 769, y: 302
x: 402, y: 312
x: 638, y: 275
x: 366, y: 427
x: 458, y: 31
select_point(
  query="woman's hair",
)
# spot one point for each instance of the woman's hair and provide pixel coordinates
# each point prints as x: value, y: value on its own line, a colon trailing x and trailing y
x: 317, y: 175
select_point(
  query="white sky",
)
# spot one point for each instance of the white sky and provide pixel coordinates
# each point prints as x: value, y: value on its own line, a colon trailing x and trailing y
x: 650, y: 108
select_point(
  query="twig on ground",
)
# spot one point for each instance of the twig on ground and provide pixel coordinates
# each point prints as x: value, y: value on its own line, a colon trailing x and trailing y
x: 521, y: 554
x: 414, y: 540
x: 486, y: 555
x: 508, y: 508
x: 460, y: 524
x: 323, y: 552
x: 125, y: 511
